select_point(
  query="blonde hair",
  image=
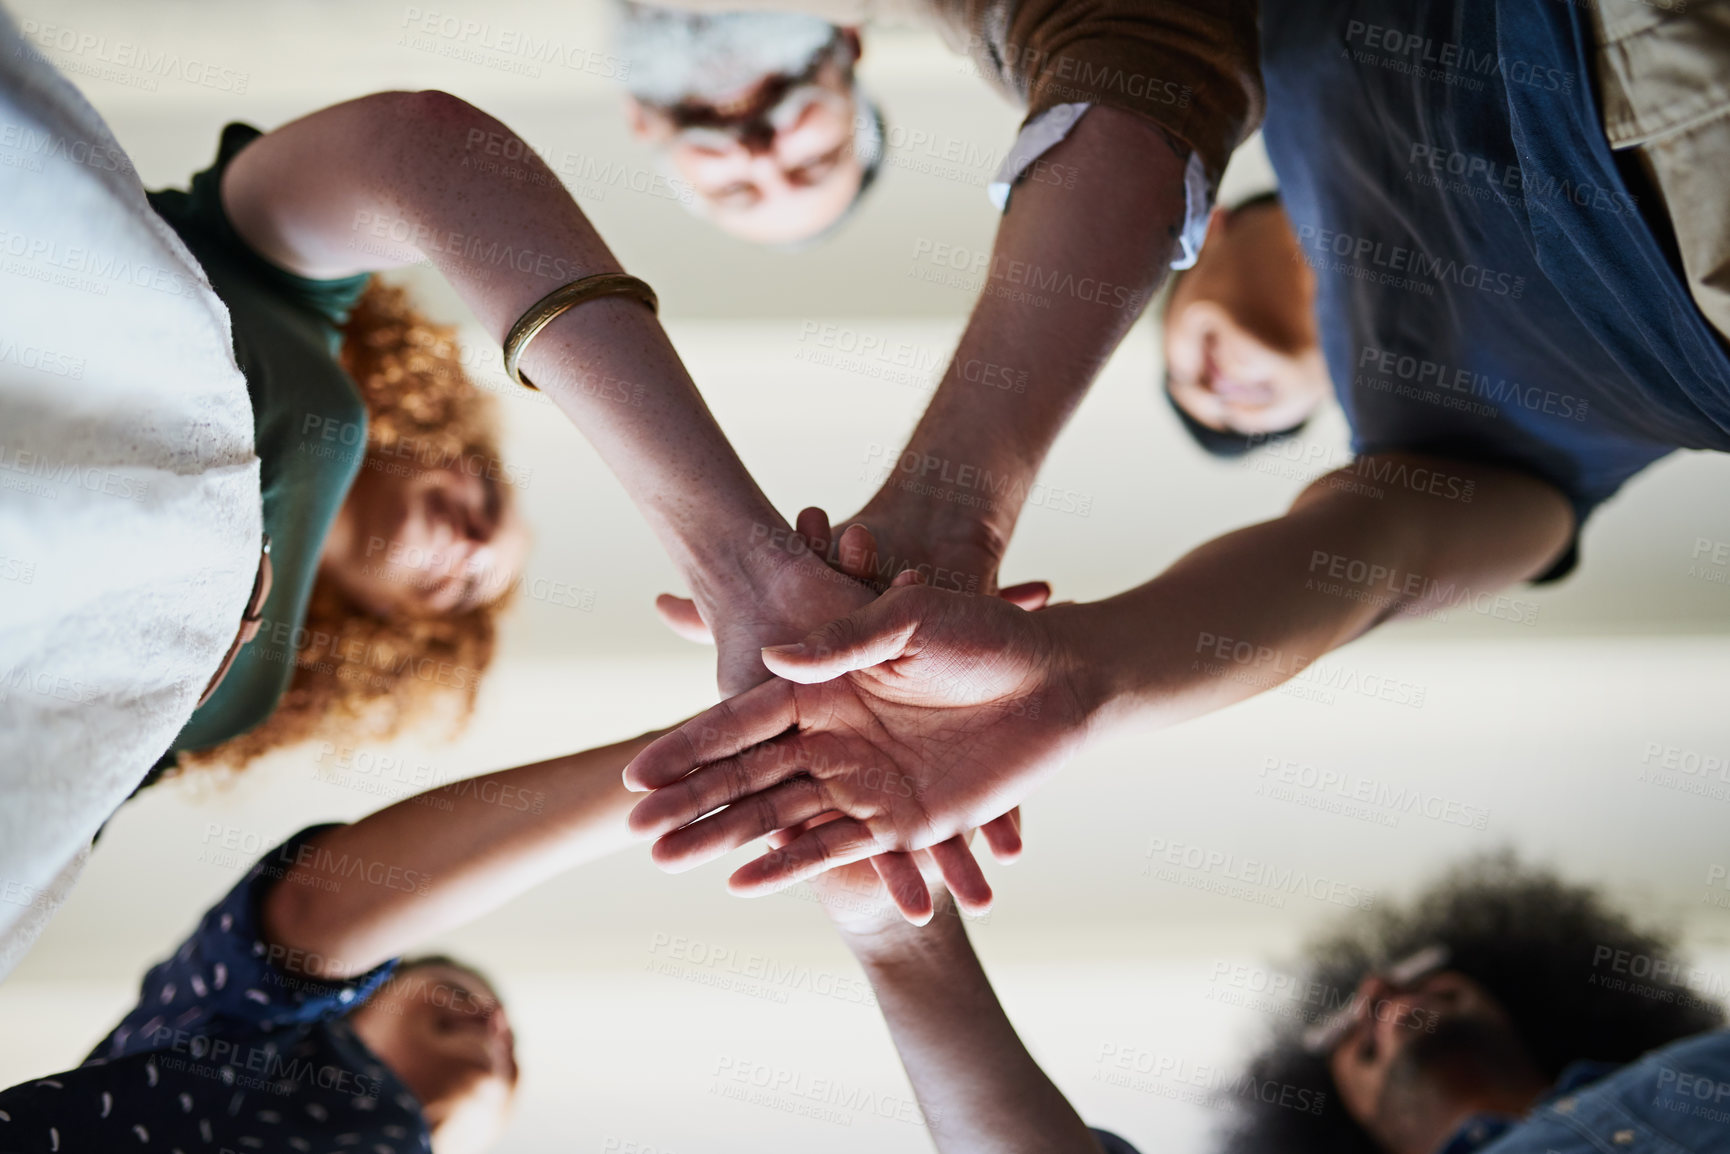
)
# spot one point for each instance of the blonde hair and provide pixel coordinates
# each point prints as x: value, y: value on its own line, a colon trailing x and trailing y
x: 357, y: 675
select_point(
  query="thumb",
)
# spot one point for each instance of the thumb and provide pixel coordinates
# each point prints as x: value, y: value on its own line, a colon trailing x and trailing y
x: 1027, y: 595
x: 868, y: 636
x: 680, y: 615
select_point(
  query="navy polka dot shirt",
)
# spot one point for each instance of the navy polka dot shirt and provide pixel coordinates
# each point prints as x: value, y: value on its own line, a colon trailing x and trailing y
x: 226, y: 1053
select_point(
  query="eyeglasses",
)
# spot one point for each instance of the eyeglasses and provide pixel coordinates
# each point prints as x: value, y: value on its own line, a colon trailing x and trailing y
x: 1327, y: 1034
x: 778, y: 105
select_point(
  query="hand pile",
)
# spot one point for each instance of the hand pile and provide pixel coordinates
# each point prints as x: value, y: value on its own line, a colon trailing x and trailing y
x: 899, y: 724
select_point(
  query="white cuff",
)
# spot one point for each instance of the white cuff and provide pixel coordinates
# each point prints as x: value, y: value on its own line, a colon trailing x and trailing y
x: 1045, y: 131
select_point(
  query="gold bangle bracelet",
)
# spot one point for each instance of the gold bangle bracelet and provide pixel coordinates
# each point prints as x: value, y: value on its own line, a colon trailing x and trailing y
x: 556, y: 303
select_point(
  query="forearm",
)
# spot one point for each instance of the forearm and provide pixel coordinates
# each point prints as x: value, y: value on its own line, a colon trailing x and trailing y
x: 396, y: 178
x: 1085, y: 243
x: 1256, y: 607
x: 367, y: 892
x: 980, y: 1090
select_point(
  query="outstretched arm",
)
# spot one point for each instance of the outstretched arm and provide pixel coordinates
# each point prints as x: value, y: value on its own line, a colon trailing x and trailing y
x: 927, y: 713
x: 980, y: 1090
x: 1084, y: 245
x: 399, y: 177
x: 457, y: 852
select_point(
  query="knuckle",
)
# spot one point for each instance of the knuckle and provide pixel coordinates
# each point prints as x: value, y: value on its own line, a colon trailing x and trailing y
x: 735, y: 779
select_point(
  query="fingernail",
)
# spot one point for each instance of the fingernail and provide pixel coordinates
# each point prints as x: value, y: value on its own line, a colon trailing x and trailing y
x: 795, y: 649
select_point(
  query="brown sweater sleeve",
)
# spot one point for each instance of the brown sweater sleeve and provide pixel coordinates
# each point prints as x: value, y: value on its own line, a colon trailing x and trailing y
x: 1190, y: 66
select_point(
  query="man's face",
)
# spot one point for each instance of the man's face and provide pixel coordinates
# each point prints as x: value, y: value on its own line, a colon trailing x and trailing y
x: 1241, y: 353
x: 446, y: 1036
x: 773, y: 163
x: 1420, y: 1060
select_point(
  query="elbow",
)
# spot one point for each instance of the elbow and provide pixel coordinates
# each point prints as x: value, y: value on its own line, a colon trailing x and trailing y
x: 289, y: 924
x: 433, y: 114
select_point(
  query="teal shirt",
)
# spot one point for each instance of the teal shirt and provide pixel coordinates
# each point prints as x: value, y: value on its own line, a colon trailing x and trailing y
x: 309, y: 423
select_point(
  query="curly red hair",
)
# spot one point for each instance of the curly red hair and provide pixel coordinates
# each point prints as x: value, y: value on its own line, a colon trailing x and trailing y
x: 357, y: 675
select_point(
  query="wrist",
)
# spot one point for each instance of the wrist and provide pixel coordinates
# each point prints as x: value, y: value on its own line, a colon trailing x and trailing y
x: 898, y: 946
x: 1088, y: 660
x: 740, y: 565
x: 958, y: 544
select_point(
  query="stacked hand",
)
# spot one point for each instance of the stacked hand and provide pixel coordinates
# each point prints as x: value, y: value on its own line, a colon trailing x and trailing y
x: 916, y: 718
x: 890, y: 536
x: 855, y: 897
x: 786, y: 590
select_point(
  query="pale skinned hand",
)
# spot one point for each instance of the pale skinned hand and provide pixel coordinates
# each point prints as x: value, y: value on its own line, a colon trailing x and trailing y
x: 918, y: 717
x: 855, y: 896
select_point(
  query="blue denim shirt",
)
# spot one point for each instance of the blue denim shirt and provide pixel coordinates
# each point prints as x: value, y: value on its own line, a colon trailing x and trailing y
x: 1672, y: 1101
x: 1487, y: 286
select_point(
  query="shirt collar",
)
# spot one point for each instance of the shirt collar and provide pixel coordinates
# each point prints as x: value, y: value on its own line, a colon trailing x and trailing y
x: 1480, y: 1130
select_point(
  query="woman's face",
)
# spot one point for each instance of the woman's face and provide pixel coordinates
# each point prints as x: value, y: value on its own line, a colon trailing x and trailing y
x: 446, y: 1036
x: 1240, y: 336
x: 426, y: 541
